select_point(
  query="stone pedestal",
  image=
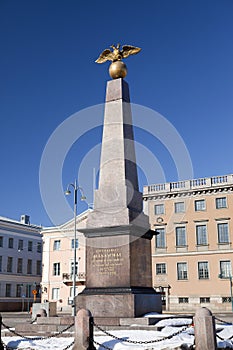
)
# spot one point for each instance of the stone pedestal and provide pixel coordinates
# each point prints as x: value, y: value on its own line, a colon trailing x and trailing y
x: 118, y: 269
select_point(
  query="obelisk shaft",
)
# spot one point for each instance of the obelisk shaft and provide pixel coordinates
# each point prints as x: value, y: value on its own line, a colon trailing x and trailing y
x: 117, y: 200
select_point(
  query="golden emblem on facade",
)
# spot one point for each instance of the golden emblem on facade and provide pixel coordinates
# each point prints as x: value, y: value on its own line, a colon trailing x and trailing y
x: 118, y: 68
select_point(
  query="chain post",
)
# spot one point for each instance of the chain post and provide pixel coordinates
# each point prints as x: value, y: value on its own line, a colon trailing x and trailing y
x: 205, y: 331
x: 84, y: 331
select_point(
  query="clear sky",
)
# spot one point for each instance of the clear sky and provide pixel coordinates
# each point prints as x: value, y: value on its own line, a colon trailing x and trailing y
x: 48, y: 73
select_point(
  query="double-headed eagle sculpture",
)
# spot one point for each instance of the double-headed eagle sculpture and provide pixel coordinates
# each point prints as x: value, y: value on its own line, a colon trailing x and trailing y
x: 117, y: 69
x: 117, y: 54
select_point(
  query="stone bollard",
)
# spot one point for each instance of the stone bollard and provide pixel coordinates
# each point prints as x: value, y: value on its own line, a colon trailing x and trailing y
x: 84, y: 331
x: 1, y: 344
x: 204, y: 328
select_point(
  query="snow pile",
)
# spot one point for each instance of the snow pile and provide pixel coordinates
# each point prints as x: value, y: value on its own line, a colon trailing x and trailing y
x: 174, y: 322
x: 51, y: 343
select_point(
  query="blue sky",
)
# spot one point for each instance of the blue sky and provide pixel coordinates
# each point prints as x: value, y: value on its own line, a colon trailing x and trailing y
x: 48, y: 73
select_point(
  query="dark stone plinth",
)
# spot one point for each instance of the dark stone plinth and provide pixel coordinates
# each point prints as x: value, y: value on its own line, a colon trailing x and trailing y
x: 119, y: 276
x: 118, y: 261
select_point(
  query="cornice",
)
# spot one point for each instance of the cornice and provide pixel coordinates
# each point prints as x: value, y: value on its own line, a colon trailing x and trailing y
x: 189, y: 193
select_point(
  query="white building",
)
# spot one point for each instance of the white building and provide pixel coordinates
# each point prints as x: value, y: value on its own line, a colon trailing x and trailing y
x: 20, y: 263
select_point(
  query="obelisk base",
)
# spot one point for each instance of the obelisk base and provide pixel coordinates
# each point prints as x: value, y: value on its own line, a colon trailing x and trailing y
x: 118, y: 281
x: 115, y: 303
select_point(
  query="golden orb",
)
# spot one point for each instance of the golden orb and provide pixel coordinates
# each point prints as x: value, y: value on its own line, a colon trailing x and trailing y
x: 117, y: 69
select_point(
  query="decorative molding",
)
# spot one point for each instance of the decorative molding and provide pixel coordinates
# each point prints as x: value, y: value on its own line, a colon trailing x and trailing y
x: 159, y: 219
x: 188, y: 193
x: 223, y: 219
x: 181, y: 223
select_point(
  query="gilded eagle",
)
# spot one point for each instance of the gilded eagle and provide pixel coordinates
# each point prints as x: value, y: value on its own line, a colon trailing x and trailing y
x: 116, y: 54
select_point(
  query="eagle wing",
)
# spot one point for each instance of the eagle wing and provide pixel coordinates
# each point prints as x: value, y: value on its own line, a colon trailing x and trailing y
x: 104, y: 56
x: 129, y: 50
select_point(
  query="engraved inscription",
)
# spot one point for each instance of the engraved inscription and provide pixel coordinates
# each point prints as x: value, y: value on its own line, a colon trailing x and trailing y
x: 105, y: 261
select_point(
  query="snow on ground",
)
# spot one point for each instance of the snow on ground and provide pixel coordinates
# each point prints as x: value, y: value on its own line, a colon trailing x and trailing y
x: 171, y: 326
x: 51, y: 343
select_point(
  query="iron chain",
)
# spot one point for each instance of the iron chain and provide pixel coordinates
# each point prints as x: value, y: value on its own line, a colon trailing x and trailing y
x: 68, y: 346
x: 38, y: 338
x: 106, y: 347
x: 140, y: 341
x: 218, y: 319
x: 218, y: 336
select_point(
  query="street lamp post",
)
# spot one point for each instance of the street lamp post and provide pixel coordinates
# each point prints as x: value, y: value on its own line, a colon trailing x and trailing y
x: 67, y: 193
x: 230, y: 279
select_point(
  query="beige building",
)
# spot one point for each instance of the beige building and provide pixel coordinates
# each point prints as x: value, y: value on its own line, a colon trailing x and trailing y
x: 192, y: 252
x: 58, y: 262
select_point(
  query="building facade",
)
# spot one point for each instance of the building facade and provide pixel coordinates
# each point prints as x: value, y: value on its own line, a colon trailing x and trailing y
x: 192, y: 251
x: 20, y: 264
x: 58, y: 262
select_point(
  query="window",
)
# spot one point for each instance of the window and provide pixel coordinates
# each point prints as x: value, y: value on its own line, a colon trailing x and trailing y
x: 20, y: 245
x: 159, y: 209
x: 223, y: 233
x: 183, y: 300
x: 161, y: 269
x: 56, y: 269
x: 20, y: 265
x: 225, y: 269
x: 1, y: 241
x: 203, y: 270
x: 28, y: 290
x: 0, y: 263
x: 18, y: 290
x: 55, y: 293
x: 201, y: 234
x: 30, y: 246
x: 29, y: 267
x: 38, y: 267
x: 39, y: 247
x: 8, y: 290
x: 71, y: 291
x: 72, y: 268
x: 160, y: 241
x: 181, y: 236
x: 204, y: 300
x: 179, y: 207
x: 10, y: 243
x: 221, y: 202
x: 182, y: 271
x: 200, y: 205
x: 56, y: 245
x: 9, y: 264
x: 72, y: 243
x: 226, y: 299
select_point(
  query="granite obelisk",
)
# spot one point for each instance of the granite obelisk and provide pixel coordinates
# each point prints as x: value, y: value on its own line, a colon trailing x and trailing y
x: 118, y: 235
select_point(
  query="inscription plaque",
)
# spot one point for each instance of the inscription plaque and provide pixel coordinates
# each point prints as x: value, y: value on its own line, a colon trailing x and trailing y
x: 105, y: 261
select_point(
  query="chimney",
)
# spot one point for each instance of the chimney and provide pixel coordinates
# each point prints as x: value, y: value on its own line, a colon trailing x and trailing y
x: 25, y: 219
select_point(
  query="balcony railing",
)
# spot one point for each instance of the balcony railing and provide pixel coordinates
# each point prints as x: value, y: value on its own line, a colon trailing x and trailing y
x: 201, y: 183
x: 81, y: 276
